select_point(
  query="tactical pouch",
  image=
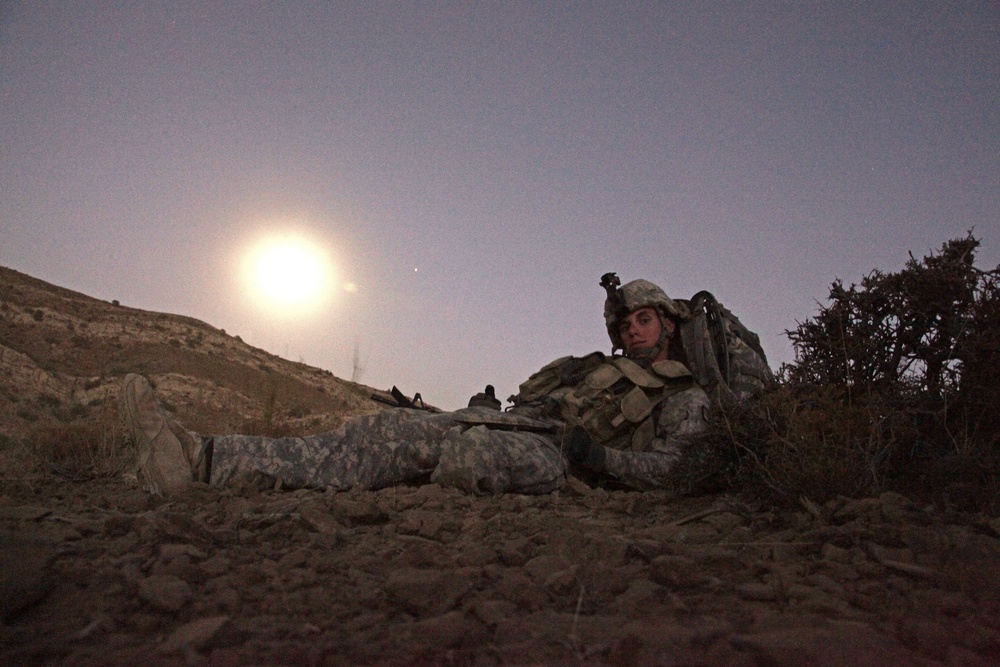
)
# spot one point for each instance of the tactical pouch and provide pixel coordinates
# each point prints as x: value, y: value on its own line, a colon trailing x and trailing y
x: 615, y: 401
x: 565, y: 371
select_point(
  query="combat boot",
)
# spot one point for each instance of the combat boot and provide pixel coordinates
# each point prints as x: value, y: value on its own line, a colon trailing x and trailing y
x: 170, y: 458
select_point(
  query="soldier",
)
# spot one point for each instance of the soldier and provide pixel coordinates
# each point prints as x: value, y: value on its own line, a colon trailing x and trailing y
x: 618, y: 418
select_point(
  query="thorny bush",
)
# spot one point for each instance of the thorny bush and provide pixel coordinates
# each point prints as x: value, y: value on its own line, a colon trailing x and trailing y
x: 894, y: 386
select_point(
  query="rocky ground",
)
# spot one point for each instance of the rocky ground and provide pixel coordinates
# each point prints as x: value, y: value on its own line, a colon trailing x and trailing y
x: 99, y: 573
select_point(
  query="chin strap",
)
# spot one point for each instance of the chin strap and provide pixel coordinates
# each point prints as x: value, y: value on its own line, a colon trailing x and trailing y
x: 644, y: 357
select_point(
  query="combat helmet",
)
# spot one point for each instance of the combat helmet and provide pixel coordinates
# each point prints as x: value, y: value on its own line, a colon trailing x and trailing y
x: 632, y: 296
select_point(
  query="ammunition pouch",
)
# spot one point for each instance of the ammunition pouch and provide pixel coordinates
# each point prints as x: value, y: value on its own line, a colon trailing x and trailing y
x: 614, y: 398
x: 616, y: 401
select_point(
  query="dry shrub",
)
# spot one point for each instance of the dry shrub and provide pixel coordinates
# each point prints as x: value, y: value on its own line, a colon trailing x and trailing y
x: 894, y: 387
x: 274, y: 422
x: 83, y: 450
x: 790, y: 446
x: 810, y: 442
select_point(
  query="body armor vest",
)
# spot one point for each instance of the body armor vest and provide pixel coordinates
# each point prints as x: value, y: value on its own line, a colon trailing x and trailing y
x: 612, y: 397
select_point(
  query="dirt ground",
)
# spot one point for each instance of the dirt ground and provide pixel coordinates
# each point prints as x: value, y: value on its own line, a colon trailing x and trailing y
x: 100, y: 573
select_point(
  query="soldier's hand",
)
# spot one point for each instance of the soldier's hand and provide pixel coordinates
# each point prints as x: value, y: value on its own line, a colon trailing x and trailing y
x: 583, y: 451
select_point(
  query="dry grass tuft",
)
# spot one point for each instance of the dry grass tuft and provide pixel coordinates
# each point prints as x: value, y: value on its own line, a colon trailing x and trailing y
x: 82, y: 450
x: 797, y: 442
x: 812, y: 446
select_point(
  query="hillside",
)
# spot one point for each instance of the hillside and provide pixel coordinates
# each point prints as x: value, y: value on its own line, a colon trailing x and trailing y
x: 63, y: 355
x: 95, y: 571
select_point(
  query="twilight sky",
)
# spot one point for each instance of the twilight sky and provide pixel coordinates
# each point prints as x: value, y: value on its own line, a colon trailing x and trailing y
x: 471, y: 169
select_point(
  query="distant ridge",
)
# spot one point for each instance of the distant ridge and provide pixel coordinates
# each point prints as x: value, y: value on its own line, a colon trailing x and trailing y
x: 63, y: 355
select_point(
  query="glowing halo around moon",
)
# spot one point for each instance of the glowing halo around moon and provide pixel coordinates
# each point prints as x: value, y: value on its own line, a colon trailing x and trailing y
x: 289, y: 274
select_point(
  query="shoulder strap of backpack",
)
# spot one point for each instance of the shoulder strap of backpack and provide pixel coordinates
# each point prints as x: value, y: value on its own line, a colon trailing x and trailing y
x: 714, y: 316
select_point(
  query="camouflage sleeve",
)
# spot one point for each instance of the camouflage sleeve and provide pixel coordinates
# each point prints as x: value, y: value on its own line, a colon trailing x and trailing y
x: 682, y: 416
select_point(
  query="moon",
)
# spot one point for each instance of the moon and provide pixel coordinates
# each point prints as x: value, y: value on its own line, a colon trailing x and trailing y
x: 289, y: 274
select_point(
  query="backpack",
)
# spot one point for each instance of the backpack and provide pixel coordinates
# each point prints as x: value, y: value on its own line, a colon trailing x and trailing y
x: 724, y: 356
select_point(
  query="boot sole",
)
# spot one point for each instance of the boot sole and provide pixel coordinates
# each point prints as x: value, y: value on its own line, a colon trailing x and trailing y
x: 163, y: 467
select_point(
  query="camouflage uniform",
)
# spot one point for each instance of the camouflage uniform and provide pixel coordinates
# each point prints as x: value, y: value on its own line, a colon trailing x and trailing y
x: 638, y: 411
x: 682, y: 416
x: 396, y: 446
x: 476, y: 449
x: 641, y: 416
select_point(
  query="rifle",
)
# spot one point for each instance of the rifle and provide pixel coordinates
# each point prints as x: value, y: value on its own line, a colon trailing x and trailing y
x: 399, y: 400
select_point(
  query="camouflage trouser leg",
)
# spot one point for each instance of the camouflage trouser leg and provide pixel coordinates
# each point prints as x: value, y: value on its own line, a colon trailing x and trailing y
x: 394, y: 447
x: 484, y: 461
x: 370, y: 452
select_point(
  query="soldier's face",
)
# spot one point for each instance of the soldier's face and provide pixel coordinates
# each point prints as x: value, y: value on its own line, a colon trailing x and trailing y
x: 641, y: 330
